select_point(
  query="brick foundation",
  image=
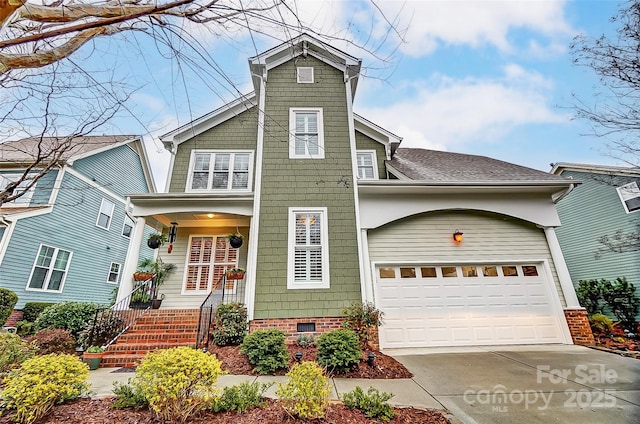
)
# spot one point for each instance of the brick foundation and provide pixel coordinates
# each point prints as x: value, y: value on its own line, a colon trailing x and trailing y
x: 289, y: 327
x: 579, y: 327
x: 15, y: 316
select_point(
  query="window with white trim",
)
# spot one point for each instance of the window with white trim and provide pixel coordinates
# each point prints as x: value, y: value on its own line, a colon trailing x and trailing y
x: 208, y: 259
x: 307, y: 133
x: 26, y: 195
x: 49, y: 269
x: 105, y: 214
x: 308, y: 249
x: 224, y: 171
x: 367, y: 165
x: 114, y: 273
x: 630, y: 196
x: 127, y: 227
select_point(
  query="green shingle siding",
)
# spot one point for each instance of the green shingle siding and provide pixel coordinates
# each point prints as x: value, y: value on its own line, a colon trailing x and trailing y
x: 594, y: 209
x: 118, y: 170
x: 238, y: 133
x: 364, y: 142
x: 306, y: 183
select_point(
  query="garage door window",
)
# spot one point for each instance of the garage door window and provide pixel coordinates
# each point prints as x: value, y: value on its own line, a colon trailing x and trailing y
x: 449, y: 271
x: 529, y: 271
x: 428, y: 272
x: 510, y: 271
x: 408, y: 272
x: 387, y: 273
x: 490, y: 271
x: 469, y: 271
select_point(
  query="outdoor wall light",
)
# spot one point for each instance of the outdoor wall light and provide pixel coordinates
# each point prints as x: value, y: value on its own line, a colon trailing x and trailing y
x: 457, y: 236
x: 173, y: 232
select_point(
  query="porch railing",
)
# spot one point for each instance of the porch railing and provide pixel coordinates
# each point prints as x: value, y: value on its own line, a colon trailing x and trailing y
x: 110, y: 323
x: 208, y: 310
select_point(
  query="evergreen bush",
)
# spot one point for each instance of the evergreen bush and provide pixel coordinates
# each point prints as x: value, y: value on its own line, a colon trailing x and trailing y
x: 8, y: 300
x: 72, y: 316
x: 373, y: 404
x: 338, y: 350
x: 266, y: 350
x: 32, y: 310
x: 230, y: 324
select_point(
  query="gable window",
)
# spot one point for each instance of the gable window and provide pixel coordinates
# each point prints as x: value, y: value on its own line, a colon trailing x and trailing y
x: 105, y: 214
x: 304, y: 74
x: 127, y: 227
x: 367, y: 166
x: 114, y: 273
x: 308, y: 249
x: 26, y: 195
x: 630, y: 196
x: 307, y: 133
x: 219, y: 171
x: 49, y: 269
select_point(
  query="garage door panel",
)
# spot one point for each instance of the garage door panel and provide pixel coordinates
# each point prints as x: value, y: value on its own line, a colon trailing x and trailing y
x: 460, y: 310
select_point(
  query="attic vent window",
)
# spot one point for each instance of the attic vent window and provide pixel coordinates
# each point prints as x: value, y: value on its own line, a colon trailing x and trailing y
x: 306, y: 327
x: 305, y: 75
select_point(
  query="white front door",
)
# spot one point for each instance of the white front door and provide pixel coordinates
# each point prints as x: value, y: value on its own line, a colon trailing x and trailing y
x: 208, y: 259
x: 463, y: 305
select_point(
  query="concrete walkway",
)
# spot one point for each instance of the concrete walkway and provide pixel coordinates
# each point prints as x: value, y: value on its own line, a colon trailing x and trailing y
x: 521, y: 384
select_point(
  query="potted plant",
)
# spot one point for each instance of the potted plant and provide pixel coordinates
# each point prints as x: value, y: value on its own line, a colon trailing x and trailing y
x: 141, y: 298
x: 235, y: 273
x: 161, y: 270
x: 93, y: 356
x: 156, y: 240
x: 235, y: 240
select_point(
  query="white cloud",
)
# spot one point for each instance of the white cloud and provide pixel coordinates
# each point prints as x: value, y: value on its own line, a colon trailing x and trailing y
x: 444, y: 113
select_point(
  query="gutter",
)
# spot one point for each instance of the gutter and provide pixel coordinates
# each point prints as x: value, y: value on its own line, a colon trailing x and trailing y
x: 564, y: 194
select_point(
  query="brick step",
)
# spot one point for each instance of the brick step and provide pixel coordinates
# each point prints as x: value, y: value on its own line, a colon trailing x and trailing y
x: 172, y: 312
x: 145, y: 329
x: 142, y: 348
x: 119, y: 361
x: 137, y: 337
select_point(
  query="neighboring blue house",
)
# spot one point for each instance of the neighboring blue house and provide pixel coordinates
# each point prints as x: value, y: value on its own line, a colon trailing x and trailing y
x: 67, y: 238
x: 606, y: 204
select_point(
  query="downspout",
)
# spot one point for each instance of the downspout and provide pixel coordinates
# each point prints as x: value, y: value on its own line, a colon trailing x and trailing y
x: 564, y: 194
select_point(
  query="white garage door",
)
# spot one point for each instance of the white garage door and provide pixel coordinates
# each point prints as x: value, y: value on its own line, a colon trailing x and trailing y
x: 464, y: 305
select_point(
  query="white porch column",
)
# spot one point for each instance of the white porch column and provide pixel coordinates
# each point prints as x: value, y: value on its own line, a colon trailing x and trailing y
x: 561, y: 268
x: 131, y: 263
x: 367, y: 278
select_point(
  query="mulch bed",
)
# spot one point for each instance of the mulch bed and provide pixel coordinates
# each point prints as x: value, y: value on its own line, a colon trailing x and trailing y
x: 99, y: 411
x: 618, y: 344
x: 384, y: 367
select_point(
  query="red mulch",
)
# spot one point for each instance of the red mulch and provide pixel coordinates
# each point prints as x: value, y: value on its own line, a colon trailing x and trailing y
x: 385, y: 367
x: 99, y: 411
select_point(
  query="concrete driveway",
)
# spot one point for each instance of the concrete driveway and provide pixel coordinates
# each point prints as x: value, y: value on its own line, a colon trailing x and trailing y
x: 532, y: 384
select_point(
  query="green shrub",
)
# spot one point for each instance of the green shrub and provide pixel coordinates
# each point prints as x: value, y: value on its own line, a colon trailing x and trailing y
x: 230, y: 324
x: 266, y: 350
x: 53, y: 340
x: 14, y: 351
x: 373, y: 404
x: 24, y: 328
x: 8, y: 300
x: 306, y: 340
x: 589, y: 294
x: 177, y: 382
x: 102, y: 328
x: 241, y: 398
x: 601, y: 324
x: 621, y: 298
x: 32, y: 310
x: 306, y: 393
x: 43, y: 381
x: 362, y: 318
x: 128, y: 396
x: 72, y: 316
x: 338, y: 350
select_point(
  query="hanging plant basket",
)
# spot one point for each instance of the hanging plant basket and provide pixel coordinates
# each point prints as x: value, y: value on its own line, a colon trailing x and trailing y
x: 235, y: 240
x: 156, y: 240
x: 143, y: 276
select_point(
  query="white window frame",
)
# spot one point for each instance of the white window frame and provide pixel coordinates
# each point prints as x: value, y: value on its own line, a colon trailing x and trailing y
x: 374, y: 164
x: 302, y: 80
x: 116, y: 273
x: 324, y: 246
x: 49, y: 268
x: 212, y: 154
x: 128, y: 222
x: 292, y: 133
x: 230, y: 286
x: 23, y: 200
x: 631, y: 190
x: 102, y: 211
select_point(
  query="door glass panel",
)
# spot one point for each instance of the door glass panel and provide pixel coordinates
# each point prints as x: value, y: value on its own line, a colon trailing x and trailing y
x: 530, y: 270
x: 449, y: 271
x: 510, y: 271
x: 387, y: 273
x: 407, y: 273
x: 469, y: 271
x: 428, y: 272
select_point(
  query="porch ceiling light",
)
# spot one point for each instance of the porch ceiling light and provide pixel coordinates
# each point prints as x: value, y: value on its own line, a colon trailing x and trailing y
x: 210, y: 215
x: 457, y: 236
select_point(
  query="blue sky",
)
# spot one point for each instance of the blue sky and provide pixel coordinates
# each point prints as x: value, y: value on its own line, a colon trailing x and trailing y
x: 492, y: 78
